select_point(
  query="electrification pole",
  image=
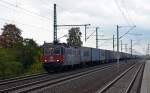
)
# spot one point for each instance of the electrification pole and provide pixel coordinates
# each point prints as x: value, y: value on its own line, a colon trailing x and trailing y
x: 96, y: 37
x: 85, y: 25
x: 148, y: 49
x: 121, y: 45
x: 118, y: 44
x: 113, y: 43
x: 85, y: 32
x: 55, y: 25
x: 113, y: 46
x: 131, y: 48
x: 126, y: 51
x: 126, y: 48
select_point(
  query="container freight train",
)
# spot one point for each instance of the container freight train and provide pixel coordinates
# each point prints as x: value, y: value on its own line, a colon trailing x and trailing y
x: 60, y: 56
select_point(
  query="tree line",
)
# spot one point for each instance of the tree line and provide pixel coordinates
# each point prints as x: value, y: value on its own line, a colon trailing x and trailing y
x: 18, y: 55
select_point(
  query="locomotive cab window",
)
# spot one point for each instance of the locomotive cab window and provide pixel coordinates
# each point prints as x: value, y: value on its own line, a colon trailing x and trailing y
x: 57, y: 51
x: 46, y: 51
x: 62, y: 50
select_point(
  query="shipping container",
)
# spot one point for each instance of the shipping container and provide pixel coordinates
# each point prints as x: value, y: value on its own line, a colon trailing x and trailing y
x: 85, y: 54
x: 72, y: 56
x: 95, y: 55
x: 102, y: 55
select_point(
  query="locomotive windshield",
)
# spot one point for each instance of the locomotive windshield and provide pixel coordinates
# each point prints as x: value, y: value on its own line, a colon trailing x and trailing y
x: 53, y: 51
x: 56, y: 51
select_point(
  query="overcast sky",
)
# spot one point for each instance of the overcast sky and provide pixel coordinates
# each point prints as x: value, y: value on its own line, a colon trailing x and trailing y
x: 37, y: 23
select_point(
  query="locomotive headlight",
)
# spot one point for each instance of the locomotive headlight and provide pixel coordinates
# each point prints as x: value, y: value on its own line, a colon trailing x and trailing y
x: 57, y: 60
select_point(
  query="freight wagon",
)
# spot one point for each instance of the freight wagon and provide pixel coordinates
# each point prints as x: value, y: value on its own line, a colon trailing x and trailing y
x: 60, y: 56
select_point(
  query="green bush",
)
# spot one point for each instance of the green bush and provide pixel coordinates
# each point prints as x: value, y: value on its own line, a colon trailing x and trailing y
x: 10, y: 64
x: 35, y: 68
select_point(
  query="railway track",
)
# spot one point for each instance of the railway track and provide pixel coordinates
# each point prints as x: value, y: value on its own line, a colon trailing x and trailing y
x: 36, y: 83
x: 22, y: 78
x: 124, y: 82
x: 19, y: 77
x: 61, y: 81
x: 26, y: 84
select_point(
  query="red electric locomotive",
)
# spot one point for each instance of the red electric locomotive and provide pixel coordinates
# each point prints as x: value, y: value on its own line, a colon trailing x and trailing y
x: 60, y: 56
x: 53, y: 57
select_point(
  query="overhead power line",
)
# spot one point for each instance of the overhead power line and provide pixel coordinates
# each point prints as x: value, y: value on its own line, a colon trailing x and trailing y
x: 90, y: 35
x: 122, y: 12
x: 29, y: 25
x: 31, y: 12
x: 106, y: 39
x: 135, y: 34
x: 127, y: 12
x: 21, y: 11
x: 127, y: 32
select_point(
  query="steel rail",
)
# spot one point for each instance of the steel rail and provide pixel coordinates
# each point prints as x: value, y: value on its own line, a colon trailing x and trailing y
x: 47, y: 82
x: 21, y: 78
x: 134, y: 78
x: 17, y: 79
x: 115, y: 80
